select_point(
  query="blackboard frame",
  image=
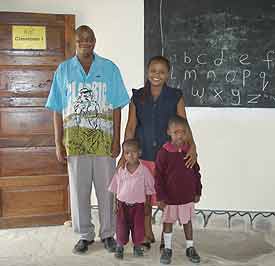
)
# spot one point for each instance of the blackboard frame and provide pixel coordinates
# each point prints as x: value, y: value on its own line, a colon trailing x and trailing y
x: 241, y: 32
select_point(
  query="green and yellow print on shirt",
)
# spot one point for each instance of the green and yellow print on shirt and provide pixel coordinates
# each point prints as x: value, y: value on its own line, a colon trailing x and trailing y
x: 87, y: 120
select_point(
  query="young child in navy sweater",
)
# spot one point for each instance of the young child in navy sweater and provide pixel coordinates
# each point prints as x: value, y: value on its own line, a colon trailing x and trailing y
x: 177, y: 188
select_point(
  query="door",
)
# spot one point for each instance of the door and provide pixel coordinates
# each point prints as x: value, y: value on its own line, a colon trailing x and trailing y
x: 33, y: 185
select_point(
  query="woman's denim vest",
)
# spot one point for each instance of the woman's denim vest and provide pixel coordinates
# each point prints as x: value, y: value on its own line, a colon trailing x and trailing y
x: 152, y: 119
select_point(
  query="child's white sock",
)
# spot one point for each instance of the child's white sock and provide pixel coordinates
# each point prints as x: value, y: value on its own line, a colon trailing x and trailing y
x: 189, y: 243
x: 167, y: 240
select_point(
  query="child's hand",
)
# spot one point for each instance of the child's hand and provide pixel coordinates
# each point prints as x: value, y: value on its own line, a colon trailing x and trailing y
x: 197, y: 198
x: 161, y: 204
x: 115, y: 207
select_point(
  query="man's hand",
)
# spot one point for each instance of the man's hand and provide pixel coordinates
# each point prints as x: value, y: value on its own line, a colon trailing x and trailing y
x: 61, y: 153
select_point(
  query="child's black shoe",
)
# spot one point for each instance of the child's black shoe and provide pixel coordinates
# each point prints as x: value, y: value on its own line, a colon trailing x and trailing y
x: 109, y: 244
x: 138, y: 251
x: 166, y: 256
x: 192, y: 255
x: 119, y: 252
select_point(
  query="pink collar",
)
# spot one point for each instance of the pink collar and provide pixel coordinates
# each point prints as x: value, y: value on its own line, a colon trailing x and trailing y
x: 136, y: 171
x: 172, y: 148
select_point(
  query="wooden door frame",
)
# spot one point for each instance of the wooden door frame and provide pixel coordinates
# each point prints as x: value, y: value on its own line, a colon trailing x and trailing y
x: 38, y: 184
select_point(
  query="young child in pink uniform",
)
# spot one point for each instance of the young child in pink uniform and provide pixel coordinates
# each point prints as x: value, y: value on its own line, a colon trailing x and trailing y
x: 177, y: 188
x: 133, y: 186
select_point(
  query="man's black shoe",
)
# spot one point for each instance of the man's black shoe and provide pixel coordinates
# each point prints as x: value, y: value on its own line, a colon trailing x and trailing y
x: 82, y: 246
x: 109, y: 244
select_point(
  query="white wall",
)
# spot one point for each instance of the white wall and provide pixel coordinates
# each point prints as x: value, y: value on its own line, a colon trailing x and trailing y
x: 236, y: 146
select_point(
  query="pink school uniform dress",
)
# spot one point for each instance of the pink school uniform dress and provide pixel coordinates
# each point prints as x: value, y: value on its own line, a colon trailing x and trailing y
x: 131, y: 190
x: 176, y: 184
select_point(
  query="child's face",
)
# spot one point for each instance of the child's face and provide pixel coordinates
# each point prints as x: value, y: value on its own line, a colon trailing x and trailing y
x: 158, y: 73
x: 178, y: 134
x: 131, y: 154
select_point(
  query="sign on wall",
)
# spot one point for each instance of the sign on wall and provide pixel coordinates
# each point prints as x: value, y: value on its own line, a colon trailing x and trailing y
x: 29, y: 37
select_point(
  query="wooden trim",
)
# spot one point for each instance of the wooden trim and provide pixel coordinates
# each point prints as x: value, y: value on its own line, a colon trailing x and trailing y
x: 33, y: 185
x: 1, y: 200
x: 69, y: 36
x: 66, y: 199
x: 23, y: 18
x: 14, y: 52
x: 28, y: 67
x: 13, y: 110
x: 39, y: 180
x: 11, y: 101
x: 43, y: 220
x: 30, y: 61
x: 15, y: 141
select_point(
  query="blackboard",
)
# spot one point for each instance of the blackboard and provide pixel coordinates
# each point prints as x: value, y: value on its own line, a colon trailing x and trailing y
x: 222, y: 52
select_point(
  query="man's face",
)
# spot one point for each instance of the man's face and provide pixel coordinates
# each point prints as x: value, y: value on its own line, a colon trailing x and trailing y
x: 85, y: 43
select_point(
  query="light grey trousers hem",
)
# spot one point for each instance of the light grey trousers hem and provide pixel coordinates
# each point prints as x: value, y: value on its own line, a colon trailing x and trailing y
x: 85, y: 171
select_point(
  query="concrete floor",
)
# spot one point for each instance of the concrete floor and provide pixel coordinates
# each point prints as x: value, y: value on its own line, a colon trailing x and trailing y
x: 51, y: 246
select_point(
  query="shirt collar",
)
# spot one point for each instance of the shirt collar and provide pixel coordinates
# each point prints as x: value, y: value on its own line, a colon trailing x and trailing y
x: 136, y: 171
x: 168, y: 146
x: 77, y: 63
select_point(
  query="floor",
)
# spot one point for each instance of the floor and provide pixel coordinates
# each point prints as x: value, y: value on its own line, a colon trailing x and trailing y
x: 52, y: 246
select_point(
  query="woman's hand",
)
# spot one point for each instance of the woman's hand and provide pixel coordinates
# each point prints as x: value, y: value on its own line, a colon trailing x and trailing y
x: 191, y: 156
x: 115, y: 149
x: 121, y: 163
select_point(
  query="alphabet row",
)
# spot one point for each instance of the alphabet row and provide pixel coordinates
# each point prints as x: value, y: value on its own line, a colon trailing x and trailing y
x: 218, y: 96
x: 204, y: 59
x: 231, y: 76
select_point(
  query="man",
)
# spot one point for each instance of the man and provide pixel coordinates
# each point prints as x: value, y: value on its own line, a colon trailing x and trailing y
x: 86, y: 97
